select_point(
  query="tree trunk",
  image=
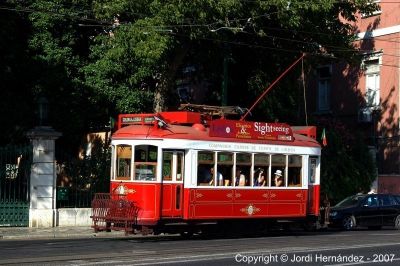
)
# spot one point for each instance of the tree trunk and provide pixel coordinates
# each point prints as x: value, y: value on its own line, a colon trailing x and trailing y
x: 166, y: 86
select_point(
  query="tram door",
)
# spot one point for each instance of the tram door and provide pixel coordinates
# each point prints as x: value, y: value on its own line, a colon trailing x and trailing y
x: 313, y: 189
x: 172, y: 183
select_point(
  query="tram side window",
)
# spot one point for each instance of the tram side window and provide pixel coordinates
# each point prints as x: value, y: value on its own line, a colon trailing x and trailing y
x: 243, y: 166
x: 224, y: 169
x: 167, y: 166
x: 172, y: 165
x: 206, y: 161
x: 180, y: 166
x: 262, y: 176
x: 145, y: 162
x: 312, y: 170
x: 123, y: 165
x: 278, y: 167
x: 294, y: 170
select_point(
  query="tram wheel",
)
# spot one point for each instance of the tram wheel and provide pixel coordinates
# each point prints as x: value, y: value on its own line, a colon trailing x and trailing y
x: 310, y: 227
x: 349, y: 223
x: 186, y: 234
x: 397, y: 222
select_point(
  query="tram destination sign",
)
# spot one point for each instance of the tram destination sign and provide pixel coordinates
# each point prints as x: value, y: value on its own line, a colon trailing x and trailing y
x: 128, y: 119
x: 250, y: 130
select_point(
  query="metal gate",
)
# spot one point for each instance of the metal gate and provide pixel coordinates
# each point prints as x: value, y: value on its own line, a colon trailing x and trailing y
x: 15, y: 169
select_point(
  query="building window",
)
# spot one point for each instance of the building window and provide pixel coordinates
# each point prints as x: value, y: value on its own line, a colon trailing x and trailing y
x: 372, y: 80
x: 374, y: 13
x: 324, y: 88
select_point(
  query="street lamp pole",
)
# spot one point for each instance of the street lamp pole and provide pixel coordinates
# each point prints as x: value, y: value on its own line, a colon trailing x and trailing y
x: 224, y: 98
x: 43, y: 110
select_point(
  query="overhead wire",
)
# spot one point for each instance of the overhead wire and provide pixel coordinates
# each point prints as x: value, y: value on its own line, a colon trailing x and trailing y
x: 304, y: 90
x: 108, y: 23
x: 208, y: 25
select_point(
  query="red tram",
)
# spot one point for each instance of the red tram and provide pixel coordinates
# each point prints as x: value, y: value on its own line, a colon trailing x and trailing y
x: 179, y: 172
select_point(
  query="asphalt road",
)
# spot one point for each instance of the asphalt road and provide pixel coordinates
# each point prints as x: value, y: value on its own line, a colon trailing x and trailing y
x: 364, y: 247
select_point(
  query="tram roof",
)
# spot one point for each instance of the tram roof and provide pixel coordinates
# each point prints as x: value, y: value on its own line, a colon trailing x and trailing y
x: 201, y: 133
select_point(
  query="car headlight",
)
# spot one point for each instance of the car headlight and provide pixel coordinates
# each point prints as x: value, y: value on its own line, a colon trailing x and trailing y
x: 333, y: 214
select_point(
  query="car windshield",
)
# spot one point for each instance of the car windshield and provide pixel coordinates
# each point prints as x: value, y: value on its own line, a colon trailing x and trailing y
x: 350, y: 201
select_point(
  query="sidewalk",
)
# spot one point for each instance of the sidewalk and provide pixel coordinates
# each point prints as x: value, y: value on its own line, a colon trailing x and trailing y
x: 55, y: 232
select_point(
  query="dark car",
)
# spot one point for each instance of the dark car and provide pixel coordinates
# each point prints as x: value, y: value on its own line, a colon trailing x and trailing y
x: 366, y: 210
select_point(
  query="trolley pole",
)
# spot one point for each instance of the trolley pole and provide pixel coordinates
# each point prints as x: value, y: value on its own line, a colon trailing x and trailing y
x: 272, y: 84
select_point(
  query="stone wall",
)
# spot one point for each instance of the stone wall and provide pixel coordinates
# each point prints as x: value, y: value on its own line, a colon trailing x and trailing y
x: 73, y: 217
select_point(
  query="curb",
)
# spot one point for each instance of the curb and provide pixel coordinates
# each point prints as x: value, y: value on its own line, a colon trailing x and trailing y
x: 57, y: 234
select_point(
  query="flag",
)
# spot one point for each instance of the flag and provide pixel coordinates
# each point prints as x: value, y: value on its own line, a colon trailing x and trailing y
x: 323, y: 138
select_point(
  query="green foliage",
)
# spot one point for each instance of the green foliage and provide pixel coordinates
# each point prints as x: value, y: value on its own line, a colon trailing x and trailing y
x: 92, y: 171
x: 146, y: 48
x: 347, y: 164
x: 122, y: 61
x: 83, y: 177
x: 94, y: 59
x: 15, y: 79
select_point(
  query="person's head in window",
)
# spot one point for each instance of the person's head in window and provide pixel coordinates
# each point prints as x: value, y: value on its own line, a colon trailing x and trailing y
x: 278, y: 178
x: 220, y: 178
x: 240, y: 178
x: 260, y: 178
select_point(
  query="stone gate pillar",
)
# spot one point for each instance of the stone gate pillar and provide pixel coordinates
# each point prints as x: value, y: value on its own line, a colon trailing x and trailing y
x: 42, y: 207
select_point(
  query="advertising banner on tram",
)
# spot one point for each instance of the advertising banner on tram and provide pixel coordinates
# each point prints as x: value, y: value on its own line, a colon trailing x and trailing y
x: 250, y: 130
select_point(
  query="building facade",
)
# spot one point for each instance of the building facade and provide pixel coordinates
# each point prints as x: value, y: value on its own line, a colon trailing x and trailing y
x: 366, y: 95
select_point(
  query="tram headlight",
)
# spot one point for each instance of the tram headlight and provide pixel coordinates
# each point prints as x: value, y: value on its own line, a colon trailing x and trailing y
x: 120, y: 190
x: 333, y: 214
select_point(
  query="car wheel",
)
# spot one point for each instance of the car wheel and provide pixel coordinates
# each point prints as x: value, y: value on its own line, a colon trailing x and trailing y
x: 375, y: 227
x: 349, y: 223
x: 397, y: 222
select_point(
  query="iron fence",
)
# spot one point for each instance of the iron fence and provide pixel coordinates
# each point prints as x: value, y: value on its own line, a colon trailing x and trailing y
x: 15, y: 169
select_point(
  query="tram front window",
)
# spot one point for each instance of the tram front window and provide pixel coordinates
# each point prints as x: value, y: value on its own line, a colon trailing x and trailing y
x: 145, y: 172
x: 124, y: 159
x: 145, y: 162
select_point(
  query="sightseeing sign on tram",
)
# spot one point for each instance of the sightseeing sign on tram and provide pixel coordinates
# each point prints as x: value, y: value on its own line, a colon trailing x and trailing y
x: 250, y: 130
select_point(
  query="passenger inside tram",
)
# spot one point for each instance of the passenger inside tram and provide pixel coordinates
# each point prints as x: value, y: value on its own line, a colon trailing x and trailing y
x: 220, y: 178
x: 260, y: 180
x: 294, y: 176
x: 227, y: 182
x: 294, y: 181
x: 278, y: 178
x: 240, y: 178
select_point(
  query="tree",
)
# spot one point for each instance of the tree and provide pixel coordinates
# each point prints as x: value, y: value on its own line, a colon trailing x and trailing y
x: 16, y: 115
x: 58, y: 48
x: 124, y: 56
x: 347, y: 165
x: 141, y: 55
x: 94, y: 59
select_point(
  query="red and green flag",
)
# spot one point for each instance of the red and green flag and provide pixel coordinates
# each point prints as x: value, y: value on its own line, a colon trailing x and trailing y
x: 323, y: 138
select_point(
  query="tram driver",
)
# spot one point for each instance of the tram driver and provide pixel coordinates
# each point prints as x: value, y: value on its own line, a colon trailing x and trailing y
x: 278, y: 178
